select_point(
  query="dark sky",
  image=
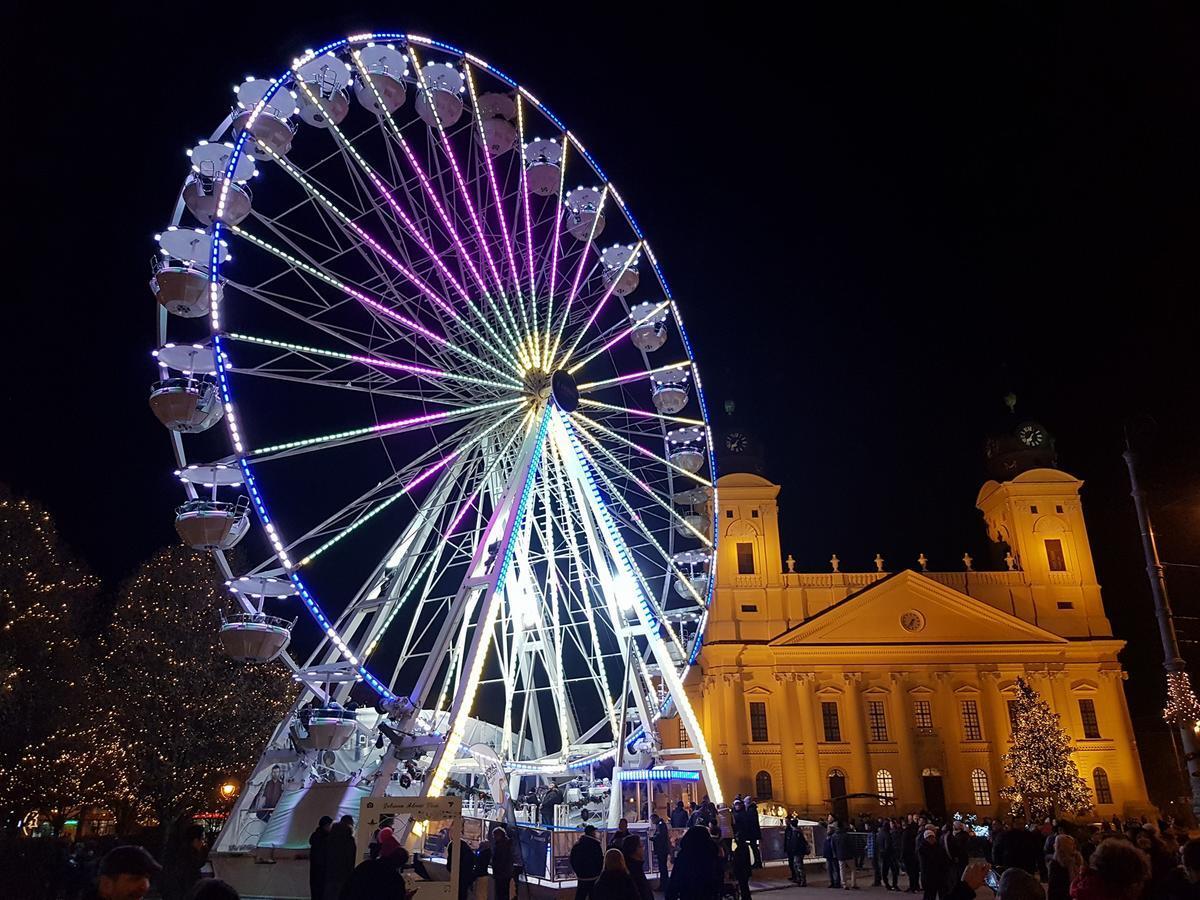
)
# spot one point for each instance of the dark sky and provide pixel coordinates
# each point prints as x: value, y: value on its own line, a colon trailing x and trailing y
x: 879, y: 220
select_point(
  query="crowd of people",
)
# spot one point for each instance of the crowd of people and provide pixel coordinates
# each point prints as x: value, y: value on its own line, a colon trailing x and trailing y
x: 714, y: 858
x: 1053, y: 860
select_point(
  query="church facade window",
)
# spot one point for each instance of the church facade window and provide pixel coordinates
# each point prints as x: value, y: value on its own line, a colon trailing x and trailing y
x: 758, y: 721
x: 763, y: 789
x: 829, y: 719
x: 745, y: 558
x: 980, y: 788
x: 1103, y: 789
x: 970, y: 721
x: 885, y: 787
x: 877, y: 719
x: 1054, y: 555
x: 923, y: 716
x: 1087, y: 712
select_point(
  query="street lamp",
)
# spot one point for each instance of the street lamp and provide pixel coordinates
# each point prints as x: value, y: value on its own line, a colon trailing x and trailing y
x: 228, y: 790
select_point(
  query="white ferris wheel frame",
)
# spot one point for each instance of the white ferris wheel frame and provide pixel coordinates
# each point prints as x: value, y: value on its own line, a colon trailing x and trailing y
x: 577, y: 450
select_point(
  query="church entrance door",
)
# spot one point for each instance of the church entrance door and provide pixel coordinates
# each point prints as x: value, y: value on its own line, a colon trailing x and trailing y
x: 935, y: 795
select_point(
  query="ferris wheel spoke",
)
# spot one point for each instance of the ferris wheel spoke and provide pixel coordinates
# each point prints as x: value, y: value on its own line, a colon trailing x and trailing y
x: 615, y: 339
x: 506, y: 240
x: 493, y: 343
x: 367, y: 342
x: 672, y: 513
x: 584, y: 258
x: 431, y: 193
x: 353, y: 435
x: 424, y: 372
x: 533, y: 305
x: 408, y: 486
x: 635, y: 522
x: 373, y: 304
x: 632, y: 376
x: 595, y: 660
x: 596, y: 426
x: 464, y: 191
x: 640, y: 413
x: 600, y: 305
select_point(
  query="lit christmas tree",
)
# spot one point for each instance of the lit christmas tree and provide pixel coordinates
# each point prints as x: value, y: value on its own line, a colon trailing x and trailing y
x: 44, y: 594
x: 1045, y: 780
x: 178, y: 715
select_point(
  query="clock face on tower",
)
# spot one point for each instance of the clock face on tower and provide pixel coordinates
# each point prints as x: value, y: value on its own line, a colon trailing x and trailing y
x: 737, y: 442
x: 1031, y: 435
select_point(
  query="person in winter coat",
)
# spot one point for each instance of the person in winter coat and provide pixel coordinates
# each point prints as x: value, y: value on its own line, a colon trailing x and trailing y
x: 341, y: 855
x: 552, y: 799
x: 795, y: 844
x: 660, y: 841
x: 755, y: 832
x: 958, y: 844
x: 742, y: 867
x: 502, y: 863
x: 935, y: 865
x: 587, y: 862
x: 694, y: 876
x: 617, y: 838
x: 1117, y: 871
x: 829, y: 851
x: 317, y: 855
x: 614, y: 882
x: 887, y: 851
x: 908, y: 853
x: 1064, y: 867
x: 679, y: 816
x: 845, y: 848
x: 635, y: 862
x: 379, y: 878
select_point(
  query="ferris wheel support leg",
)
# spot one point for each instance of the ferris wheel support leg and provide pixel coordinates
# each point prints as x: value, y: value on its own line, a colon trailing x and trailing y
x: 485, y: 580
x: 620, y: 553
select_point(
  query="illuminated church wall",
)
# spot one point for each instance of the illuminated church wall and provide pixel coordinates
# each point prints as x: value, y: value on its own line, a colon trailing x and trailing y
x: 897, y: 682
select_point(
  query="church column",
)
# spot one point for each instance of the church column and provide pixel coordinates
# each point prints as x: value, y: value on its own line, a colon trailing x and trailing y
x: 785, y: 715
x: 735, y: 721
x: 1130, y: 787
x: 947, y: 720
x: 908, y: 779
x: 1062, y: 701
x: 808, y: 737
x: 996, y: 711
x: 860, y: 767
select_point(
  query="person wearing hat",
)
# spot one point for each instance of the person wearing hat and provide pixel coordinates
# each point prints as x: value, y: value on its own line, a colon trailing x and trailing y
x: 124, y: 874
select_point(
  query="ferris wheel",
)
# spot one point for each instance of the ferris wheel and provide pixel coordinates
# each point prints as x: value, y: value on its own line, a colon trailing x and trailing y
x: 459, y: 399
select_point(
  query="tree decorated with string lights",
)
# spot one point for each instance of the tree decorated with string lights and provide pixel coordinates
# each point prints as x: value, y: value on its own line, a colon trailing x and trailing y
x: 184, y: 714
x: 1045, y: 780
x: 44, y: 595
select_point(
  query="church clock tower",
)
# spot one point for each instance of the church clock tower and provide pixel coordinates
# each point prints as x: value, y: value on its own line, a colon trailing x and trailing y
x: 738, y: 447
x: 1034, y: 517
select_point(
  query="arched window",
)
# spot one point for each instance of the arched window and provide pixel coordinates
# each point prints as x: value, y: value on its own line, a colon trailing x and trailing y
x: 885, y: 788
x: 1103, y: 789
x: 762, y: 786
x: 979, y: 787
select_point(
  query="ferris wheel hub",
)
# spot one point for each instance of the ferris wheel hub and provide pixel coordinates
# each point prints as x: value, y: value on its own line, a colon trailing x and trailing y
x: 559, y: 386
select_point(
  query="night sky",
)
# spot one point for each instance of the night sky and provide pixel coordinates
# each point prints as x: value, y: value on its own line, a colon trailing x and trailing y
x: 877, y: 222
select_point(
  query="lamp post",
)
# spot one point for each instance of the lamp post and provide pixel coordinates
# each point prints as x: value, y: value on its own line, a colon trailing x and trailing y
x: 1173, y: 663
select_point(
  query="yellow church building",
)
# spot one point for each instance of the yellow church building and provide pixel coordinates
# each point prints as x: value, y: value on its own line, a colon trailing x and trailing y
x: 818, y: 685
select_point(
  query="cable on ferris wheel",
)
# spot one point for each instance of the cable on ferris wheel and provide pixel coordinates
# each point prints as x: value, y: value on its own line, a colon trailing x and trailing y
x: 475, y: 442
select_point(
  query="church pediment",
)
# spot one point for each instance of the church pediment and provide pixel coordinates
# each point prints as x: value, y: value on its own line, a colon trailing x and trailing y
x: 908, y: 608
